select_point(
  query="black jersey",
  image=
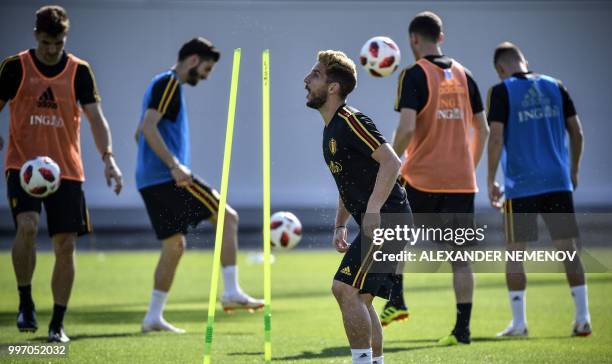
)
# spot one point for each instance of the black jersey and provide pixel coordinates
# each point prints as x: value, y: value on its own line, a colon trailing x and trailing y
x: 349, y: 140
x: 11, y: 74
x: 413, y: 90
x: 499, y: 102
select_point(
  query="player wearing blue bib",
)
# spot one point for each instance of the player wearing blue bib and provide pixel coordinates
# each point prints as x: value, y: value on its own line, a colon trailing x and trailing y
x: 176, y: 199
x: 164, y: 90
x: 531, y: 116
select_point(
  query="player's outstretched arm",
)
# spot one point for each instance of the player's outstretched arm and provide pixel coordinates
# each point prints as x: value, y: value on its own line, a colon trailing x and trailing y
x: 388, y: 172
x: 180, y: 173
x: 576, y: 142
x: 496, y: 141
x: 481, y: 134
x: 404, y: 130
x: 103, y: 139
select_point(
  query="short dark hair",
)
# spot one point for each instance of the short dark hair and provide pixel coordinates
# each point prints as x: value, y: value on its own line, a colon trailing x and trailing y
x: 52, y: 20
x: 339, y: 68
x: 201, y: 47
x: 507, y: 52
x: 426, y: 24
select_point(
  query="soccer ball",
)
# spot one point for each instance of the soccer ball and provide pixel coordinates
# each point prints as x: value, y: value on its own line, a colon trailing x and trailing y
x: 40, y: 177
x: 285, y: 230
x: 380, y: 56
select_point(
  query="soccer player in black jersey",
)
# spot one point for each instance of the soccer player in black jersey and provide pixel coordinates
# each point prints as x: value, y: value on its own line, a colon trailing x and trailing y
x: 365, y: 169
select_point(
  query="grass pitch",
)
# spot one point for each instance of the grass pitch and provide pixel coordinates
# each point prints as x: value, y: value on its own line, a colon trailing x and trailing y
x: 112, y: 290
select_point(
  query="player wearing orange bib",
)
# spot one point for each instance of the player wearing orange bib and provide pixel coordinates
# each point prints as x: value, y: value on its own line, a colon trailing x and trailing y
x: 45, y: 89
x: 440, y: 105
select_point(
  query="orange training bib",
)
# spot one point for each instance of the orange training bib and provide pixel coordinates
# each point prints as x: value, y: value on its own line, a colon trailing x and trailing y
x: 45, y: 119
x: 438, y: 157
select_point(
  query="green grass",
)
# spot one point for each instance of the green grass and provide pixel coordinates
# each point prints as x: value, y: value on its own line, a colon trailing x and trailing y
x: 112, y: 290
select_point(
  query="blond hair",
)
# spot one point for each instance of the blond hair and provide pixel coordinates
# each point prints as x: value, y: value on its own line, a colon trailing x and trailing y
x: 339, y: 68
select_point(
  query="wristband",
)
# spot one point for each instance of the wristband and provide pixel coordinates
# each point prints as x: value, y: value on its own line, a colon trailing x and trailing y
x: 107, y: 154
x: 340, y: 227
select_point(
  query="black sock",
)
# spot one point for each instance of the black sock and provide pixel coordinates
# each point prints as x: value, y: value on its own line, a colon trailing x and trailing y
x: 397, y: 291
x: 25, y: 297
x: 462, y: 325
x: 57, y: 320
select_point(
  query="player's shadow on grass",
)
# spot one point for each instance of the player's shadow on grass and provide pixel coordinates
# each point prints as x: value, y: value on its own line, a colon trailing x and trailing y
x: 93, y: 316
x: 109, y: 335
x: 476, y: 340
x: 333, y: 352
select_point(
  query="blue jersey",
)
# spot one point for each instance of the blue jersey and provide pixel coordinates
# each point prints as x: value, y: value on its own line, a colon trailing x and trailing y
x: 535, y: 157
x: 164, y: 95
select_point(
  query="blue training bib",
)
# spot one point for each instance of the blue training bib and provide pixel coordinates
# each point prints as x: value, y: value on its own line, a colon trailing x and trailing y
x: 150, y: 169
x: 535, y: 157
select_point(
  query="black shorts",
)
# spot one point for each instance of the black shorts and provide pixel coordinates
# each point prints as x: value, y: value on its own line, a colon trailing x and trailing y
x: 66, y: 209
x: 355, y: 272
x: 174, y: 209
x: 441, y: 210
x: 556, y: 209
x: 360, y: 269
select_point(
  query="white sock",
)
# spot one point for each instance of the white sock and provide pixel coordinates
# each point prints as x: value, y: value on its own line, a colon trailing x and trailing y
x: 156, y: 306
x: 581, y: 301
x: 230, y: 280
x: 362, y: 356
x: 378, y: 360
x: 519, y: 308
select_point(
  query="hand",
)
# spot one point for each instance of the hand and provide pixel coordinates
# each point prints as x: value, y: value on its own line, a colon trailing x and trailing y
x: 370, y: 222
x: 340, y: 243
x: 112, y: 172
x: 574, y: 177
x: 495, y: 194
x: 182, y: 175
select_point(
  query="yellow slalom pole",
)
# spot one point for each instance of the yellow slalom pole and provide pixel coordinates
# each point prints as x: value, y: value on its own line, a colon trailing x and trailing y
x: 227, y: 157
x: 265, y: 56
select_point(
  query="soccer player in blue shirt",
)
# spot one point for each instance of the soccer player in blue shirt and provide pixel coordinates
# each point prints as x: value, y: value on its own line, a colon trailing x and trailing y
x: 530, y: 116
x: 176, y: 199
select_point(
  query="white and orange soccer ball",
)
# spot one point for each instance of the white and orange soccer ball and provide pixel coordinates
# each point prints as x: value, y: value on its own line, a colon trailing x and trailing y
x: 285, y: 230
x: 40, y: 177
x: 380, y: 56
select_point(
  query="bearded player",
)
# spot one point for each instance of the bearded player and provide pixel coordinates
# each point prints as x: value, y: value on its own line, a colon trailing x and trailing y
x: 176, y: 199
x: 365, y: 169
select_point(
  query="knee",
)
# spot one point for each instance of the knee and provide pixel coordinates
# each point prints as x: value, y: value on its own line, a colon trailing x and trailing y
x: 565, y: 245
x: 65, y: 247
x: 231, y: 216
x: 343, y: 292
x: 175, y: 247
x: 462, y: 267
x: 27, y: 227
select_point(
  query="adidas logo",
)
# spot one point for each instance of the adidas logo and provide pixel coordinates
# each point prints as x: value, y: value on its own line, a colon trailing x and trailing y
x: 47, y: 99
x: 516, y: 298
x: 537, y: 106
x: 534, y: 97
x: 346, y: 270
